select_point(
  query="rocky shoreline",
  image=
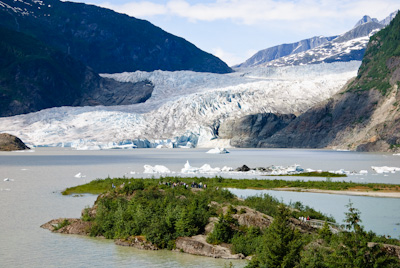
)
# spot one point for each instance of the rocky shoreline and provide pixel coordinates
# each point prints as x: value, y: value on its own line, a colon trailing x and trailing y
x: 195, y: 245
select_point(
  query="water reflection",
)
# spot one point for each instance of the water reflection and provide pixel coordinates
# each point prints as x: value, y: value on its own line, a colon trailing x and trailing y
x: 381, y: 215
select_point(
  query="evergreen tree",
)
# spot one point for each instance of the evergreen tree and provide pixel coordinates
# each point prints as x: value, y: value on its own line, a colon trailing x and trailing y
x: 354, y: 251
x: 282, y: 243
x: 223, y: 231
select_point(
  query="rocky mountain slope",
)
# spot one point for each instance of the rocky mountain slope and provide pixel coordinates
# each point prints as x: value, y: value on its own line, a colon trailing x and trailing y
x: 104, y: 40
x: 365, y: 115
x: 345, y: 47
x: 11, y: 143
x: 34, y: 76
x: 248, y: 130
x: 283, y: 50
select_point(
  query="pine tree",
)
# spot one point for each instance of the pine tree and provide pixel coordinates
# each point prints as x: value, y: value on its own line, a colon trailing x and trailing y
x: 282, y: 243
x: 353, y: 250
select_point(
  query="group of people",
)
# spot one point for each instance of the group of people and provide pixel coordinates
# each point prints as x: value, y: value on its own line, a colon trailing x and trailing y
x: 304, y: 219
x: 198, y: 185
x: 184, y: 184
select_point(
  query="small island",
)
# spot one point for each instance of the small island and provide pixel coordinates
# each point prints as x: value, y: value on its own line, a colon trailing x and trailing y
x: 9, y: 142
x: 199, y: 216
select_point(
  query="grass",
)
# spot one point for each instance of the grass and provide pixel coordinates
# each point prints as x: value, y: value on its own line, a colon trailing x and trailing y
x: 323, y: 174
x: 100, y: 186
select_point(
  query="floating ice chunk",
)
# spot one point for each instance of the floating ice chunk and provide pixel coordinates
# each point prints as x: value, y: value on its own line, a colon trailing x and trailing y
x: 187, y: 168
x: 6, y: 179
x: 340, y: 171
x: 132, y: 172
x: 206, y: 168
x: 185, y: 147
x: 161, y: 146
x: 125, y: 146
x: 363, y: 172
x: 218, y: 150
x: 226, y: 169
x: 167, y: 145
x: 385, y: 169
x: 88, y: 147
x: 79, y: 175
x: 156, y: 169
x: 397, y: 154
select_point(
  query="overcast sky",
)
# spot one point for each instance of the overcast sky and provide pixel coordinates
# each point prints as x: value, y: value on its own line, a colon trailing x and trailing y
x: 234, y: 30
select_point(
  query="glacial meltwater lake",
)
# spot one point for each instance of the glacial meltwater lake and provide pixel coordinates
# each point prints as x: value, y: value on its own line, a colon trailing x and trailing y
x: 31, y: 197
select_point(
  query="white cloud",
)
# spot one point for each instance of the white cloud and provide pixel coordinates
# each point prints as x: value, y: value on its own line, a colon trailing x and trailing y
x: 138, y: 9
x: 229, y: 58
x: 258, y: 11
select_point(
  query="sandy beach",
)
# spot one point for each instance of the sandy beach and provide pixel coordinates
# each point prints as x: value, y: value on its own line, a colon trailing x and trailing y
x: 388, y: 194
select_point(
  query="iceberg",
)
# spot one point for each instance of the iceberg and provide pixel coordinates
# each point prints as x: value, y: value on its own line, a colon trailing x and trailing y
x: 206, y: 168
x: 226, y: 169
x: 156, y: 169
x: 187, y: 168
x: 79, y: 175
x: 385, y: 169
x: 218, y: 150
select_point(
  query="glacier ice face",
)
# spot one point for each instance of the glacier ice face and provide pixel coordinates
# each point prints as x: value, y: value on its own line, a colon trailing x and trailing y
x: 185, y: 107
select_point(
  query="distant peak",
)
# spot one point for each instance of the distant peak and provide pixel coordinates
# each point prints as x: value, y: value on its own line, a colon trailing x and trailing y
x: 364, y: 20
x: 389, y: 18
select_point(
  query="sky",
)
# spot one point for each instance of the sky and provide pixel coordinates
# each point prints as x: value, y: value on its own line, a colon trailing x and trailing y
x: 234, y: 30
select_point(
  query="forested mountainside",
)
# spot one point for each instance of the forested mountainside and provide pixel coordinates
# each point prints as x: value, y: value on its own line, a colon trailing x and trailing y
x: 107, y: 41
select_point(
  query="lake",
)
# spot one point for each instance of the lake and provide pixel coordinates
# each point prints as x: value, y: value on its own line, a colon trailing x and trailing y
x: 32, y: 197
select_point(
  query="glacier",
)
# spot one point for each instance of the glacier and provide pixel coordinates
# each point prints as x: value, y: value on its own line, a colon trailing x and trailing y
x: 185, y: 108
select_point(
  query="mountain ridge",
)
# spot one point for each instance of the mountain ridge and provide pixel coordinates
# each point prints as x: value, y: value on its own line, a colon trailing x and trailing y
x: 107, y: 41
x: 365, y: 115
x: 34, y: 76
x: 348, y: 46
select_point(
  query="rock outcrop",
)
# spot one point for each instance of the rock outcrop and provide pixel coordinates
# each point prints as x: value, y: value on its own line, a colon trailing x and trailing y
x: 197, y: 245
x: 11, y: 143
x: 68, y: 226
x: 138, y: 242
x: 250, y: 217
x: 247, y: 131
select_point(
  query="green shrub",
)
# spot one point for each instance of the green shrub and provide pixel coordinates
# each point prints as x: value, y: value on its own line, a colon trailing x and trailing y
x: 62, y: 224
x: 223, y: 231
